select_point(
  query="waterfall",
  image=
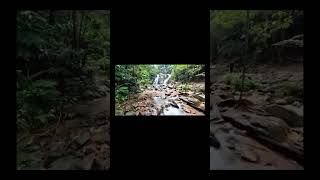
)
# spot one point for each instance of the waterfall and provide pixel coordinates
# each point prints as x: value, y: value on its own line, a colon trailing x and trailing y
x: 156, y: 80
x: 166, y: 80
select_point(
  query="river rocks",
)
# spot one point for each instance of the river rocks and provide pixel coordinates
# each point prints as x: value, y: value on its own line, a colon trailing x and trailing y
x: 82, y: 138
x: 65, y: 163
x: 86, y: 163
x: 200, y: 97
x: 291, y: 114
x: 227, y: 103
x: 215, y: 99
x: 186, y: 110
x: 280, y: 101
x: 202, y: 106
x: 226, y: 95
x: 99, y: 138
x: 130, y: 113
x: 249, y: 155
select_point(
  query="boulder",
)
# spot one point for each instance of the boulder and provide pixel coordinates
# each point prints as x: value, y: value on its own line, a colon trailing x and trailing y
x: 227, y: 103
x: 200, y: 97
x: 249, y: 155
x: 280, y: 101
x: 130, y: 113
x: 82, y: 139
x: 65, y: 163
x: 291, y: 114
x: 86, y: 163
x: 268, y: 126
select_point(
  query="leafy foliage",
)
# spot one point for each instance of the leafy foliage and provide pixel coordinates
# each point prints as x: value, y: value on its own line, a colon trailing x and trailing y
x: 265, y: 28
x: 184, y: 73
x: 35, y: 102
x: 122, y: 93
x: 234, y: 79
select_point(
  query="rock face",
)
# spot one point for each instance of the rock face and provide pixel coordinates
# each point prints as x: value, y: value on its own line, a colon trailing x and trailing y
x: 249, y: 155
x: 291, y: 114
x: 65, y: 163
x: 271, y: 127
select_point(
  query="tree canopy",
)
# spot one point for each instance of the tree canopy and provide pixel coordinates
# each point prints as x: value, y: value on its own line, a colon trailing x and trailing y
x: 266, y: 27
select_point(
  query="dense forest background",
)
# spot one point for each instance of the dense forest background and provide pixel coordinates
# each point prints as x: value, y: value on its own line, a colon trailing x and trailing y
x: 58, y: 54
x: 264, y: 28
x: 131, y: 78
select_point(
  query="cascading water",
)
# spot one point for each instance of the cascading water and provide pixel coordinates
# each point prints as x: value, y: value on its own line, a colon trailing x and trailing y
x: 166, y: 80
x: 156, y: 80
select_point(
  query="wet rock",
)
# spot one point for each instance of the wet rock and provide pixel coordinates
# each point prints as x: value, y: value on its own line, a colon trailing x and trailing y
x: 183, y: 94
x: 297, y: 104
x: 280, y: 101
x: 249, y: 155
x: 202, y: 107
x: 86, y: 163
x: 271, y: 127
x: 130, y: 113
x: 99, y: 138
x: 225, y: 87
x: 227, y: 103
x: 291, y: 114
x: 186, y: 110
x: 215, y: 99
x: 200, y: 97
x: 65, y: 163
x: 82, y: 139
x: 226, y: 95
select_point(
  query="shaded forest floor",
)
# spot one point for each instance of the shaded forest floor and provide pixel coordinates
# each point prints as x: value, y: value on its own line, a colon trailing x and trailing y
x: 79, y: 141
x: 165, y: 100
x: 266, y: 131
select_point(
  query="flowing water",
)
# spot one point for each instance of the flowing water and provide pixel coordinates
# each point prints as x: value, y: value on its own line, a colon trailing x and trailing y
x: 156, y: 80
x: 166, y: 80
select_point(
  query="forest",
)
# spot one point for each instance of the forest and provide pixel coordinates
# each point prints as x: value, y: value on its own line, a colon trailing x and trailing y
x: 62, y: 97
x: 157, y: 90
x: 256, y: 89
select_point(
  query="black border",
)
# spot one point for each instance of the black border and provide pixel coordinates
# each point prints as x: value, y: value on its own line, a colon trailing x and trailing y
x: 96, y: 4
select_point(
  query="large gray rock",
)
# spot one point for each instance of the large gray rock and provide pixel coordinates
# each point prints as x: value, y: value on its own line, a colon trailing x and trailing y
x: 267, y: 126
x: 291, y: 114
x: 66, y: 163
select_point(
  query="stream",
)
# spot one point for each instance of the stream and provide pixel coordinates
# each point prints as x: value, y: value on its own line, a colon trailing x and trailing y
x: 166, y: 98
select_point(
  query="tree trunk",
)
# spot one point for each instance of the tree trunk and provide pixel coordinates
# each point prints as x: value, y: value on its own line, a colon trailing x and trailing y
x: 76, y: 28
x: 246, y: 57
x: 51, y: 17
